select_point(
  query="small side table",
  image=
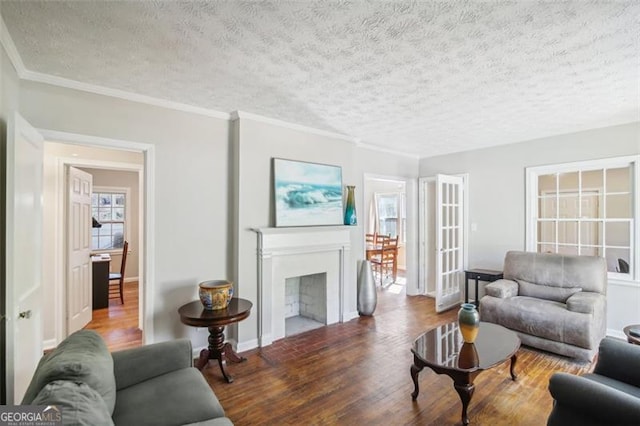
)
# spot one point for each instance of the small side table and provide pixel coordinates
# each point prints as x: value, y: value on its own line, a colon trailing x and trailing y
x: 479, y: 275
x: 632, y: 339
x: 195, y: 315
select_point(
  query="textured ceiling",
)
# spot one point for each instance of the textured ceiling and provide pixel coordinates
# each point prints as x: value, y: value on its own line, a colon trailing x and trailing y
x: 418, y: 77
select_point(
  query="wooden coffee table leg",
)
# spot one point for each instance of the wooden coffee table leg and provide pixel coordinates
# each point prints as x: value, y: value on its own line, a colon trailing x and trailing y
x: 416, y: 368
x: 465, y: 390
x: 514, y: 358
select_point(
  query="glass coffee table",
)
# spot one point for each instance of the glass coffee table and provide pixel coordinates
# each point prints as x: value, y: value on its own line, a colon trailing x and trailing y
x: 443, y: 350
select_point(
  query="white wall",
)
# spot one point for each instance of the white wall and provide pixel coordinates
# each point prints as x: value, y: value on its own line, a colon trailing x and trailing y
x: 497, y: 196
x: 256, y: 143
x: 192, y: 186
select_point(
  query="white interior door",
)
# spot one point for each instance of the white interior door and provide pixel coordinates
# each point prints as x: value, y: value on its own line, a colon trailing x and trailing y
x: 24, y: 255
x: 449, y: 232
x: 79, y: 278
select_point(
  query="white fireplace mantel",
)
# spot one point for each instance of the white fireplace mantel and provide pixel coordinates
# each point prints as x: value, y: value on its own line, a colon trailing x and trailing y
x: 289, y: 252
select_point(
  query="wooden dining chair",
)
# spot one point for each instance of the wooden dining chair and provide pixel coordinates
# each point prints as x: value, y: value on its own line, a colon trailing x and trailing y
x: 386, y: 262
x: 116, y: 287
x: 370, y: 239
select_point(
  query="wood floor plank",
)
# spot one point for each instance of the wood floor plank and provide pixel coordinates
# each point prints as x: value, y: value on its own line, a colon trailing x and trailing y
x: 358, y: 373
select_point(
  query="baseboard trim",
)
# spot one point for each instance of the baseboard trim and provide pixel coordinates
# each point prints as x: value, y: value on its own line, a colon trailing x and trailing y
x: 131, y: 279
x: 246, y: 346
x: 49, y: 344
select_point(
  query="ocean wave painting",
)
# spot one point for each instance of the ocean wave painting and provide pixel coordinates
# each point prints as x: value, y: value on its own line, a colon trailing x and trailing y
x: 307, y: 194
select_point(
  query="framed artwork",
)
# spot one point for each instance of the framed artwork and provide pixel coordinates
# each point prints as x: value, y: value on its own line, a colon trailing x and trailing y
x: 307, y: 194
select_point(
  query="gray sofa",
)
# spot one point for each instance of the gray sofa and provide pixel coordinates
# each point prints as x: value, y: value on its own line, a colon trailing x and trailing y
x: 151, y: 385
x: 608, y: 396
x: 553, y: 302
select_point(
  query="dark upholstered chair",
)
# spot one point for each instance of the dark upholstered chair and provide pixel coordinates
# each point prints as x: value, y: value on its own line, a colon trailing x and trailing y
x: 608, y: 396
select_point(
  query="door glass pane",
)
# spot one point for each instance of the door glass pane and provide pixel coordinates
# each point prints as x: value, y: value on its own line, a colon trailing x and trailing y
x: 546, y: 248
x: 619, y: 180
x: 617, y: 234
x: 570, y: 250
x: 568, y: 182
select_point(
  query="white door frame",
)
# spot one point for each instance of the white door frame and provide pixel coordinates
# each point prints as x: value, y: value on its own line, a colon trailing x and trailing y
x: 411, y: 193
x: 423, y: 229
x: 146, y: 238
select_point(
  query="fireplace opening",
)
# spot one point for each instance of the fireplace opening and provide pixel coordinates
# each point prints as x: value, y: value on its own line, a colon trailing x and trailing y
x: 305, y: 303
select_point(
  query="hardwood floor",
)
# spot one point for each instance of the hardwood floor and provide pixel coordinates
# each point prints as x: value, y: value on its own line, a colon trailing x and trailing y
x: 357, y: 373
x: 118, y: 324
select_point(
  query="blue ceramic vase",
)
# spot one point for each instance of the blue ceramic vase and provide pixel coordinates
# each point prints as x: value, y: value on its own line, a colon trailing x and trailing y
x: 350, y: 210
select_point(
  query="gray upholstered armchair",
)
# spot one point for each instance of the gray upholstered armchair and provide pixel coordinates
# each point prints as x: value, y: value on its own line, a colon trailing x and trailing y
x: 608, y: 396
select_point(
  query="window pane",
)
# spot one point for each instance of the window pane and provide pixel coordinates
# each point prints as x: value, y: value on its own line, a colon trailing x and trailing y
x: 618, y: 260
x: 592, y: 180
x: 94, y: 243
x: 619, y: 206
x: 105, y: 200
x: 568, y: 232
x: 94, y: 232
x: 617, y: 234
x: 118, y: 213
x: 546, y: 184
x: 104, y: 215
x: 104, y: 242
x: 590, y: 251
x: 547, y: 232
x: 546, y: 248
x: 94, y: 199
x: 106, y: 229
x: 568, y: 206
x: 591, y: 233
x: 619, y: 180
x: 571, y: 250
x: 568, y: 182
x: 592, y: 207
x: 547, y: 208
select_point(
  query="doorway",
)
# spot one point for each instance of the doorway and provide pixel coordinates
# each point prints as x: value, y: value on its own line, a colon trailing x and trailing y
x: 113, y: 168
x: 385, y: 214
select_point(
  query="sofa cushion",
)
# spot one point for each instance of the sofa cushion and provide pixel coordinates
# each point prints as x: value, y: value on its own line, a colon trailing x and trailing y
x: 178, y: 397
x: 80, y: 404
x: 539, y: 317
x: 502, y: 289
x: 557, y: 294
x: 81, y: 357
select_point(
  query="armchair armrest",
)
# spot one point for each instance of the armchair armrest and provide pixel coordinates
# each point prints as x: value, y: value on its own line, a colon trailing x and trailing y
x: 136, y: 365
x: 502, y: 289
x: 619, y: 360
x: 594, y: 400
x: 586, y: 302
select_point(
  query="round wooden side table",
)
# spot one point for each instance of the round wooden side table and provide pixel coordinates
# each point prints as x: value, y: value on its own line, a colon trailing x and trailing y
x: 627, y: 332
x: 195, y: 315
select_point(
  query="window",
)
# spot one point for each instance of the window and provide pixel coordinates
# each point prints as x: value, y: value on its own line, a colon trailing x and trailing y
x: 586, y: 209
x: 391, y: 214
x: 108, y: 207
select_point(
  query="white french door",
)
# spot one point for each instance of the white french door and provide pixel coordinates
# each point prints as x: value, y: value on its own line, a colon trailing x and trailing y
x: 449, y: 230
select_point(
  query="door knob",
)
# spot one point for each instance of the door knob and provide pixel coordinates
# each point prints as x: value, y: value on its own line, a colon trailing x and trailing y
x: 25, y: 314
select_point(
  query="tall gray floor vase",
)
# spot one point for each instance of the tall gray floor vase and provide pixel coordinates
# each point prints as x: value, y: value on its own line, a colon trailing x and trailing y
x: 367, y: 296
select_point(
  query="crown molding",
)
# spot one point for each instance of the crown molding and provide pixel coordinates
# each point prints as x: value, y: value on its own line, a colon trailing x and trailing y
x: 387, y: 151
x: 10, y: 48
x: 121, y: 94
x: 236, y: 115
